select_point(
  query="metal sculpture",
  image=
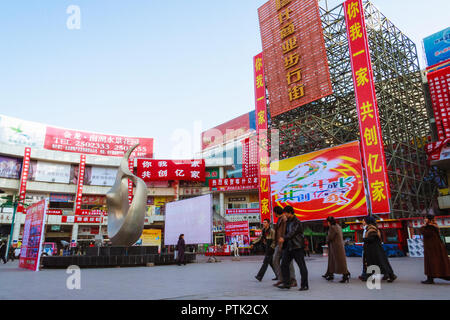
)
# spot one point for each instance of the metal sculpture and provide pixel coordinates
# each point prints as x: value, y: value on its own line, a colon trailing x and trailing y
x: 125, y: 220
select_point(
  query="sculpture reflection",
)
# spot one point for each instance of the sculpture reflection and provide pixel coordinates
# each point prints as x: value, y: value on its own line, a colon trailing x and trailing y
x: 125, y: 220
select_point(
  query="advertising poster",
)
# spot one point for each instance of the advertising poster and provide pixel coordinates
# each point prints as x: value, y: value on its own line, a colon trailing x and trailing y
x: 33, y: 236
x: 10, y: 168
x: 323, y: 183
x: 151, y: 237
x: 437, y: 47
x: 164, y: 170
x: 237, y: 232
x: 52, y: 172
x: 101, y: 176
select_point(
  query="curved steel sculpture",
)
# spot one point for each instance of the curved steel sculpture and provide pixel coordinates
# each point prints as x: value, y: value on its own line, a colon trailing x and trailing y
x: 125, y: 220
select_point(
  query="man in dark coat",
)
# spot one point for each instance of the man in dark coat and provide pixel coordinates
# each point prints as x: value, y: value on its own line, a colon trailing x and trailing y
x: 293, y: 248
x: 437, y: 264
x: 181, y: 246
x: 373, y: 250
x: 267, y: 237
x: 3, y: 252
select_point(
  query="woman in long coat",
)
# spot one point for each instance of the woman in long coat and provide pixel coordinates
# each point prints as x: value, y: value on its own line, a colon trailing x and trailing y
x: 436, y: 260
x: 373, y: 250
x: 337, y: 261
x: 181, y: 247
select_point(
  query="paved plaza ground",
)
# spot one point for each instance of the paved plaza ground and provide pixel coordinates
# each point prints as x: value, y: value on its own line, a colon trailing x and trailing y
x: 231, y: 280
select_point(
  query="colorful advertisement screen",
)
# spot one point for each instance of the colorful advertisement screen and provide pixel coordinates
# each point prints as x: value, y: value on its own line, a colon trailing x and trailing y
x: 323, y: 183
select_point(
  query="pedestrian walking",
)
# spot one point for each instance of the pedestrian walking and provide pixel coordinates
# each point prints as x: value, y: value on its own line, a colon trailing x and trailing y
x: 181, y: 246
x: 337, y: 261
x: 3, y: 251
x: 306, y: 247
x: 373, y: 250
x: 293, y: 248
x: 235, y: 249
x: 364, y: 275
x: 436, y: 261
x: 266, y: 238
x: 280, y: 231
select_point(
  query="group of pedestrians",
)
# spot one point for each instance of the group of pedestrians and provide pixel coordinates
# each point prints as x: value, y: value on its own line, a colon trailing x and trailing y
x: 285, y: 243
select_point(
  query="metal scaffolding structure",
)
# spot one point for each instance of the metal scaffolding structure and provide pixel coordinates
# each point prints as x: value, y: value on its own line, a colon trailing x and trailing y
x: 333, y: 120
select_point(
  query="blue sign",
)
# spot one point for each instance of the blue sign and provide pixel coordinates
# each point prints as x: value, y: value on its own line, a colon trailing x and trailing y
x: 437, y: 47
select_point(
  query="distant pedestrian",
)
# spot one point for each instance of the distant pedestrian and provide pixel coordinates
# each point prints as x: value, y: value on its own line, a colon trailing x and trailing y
x: 3, y: 252
x: 181, y: 246
x: 280, y: 231
x: 373, y: 250
x: 337, y: 261
x: 293, y: 248
x: 306, y: 247
x: 436, y: 261
x: 236, y: 249
x: 266, y: 238
x: 364, y: 275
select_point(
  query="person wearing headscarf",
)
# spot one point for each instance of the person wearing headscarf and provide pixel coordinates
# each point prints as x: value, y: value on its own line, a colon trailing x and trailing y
x: 373, y: 250
x: 436, y: 261
x: 337, y: 261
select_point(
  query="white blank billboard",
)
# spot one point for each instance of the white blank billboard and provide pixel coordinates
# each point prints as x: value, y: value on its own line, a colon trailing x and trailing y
x: 192, y: 217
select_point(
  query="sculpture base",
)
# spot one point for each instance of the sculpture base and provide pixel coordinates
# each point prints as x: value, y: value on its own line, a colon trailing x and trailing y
x: 104, y: 257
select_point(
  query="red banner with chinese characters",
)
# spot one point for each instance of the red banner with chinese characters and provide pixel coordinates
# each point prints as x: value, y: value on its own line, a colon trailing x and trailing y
x: 163, y: 170
x: 24, y: 178
x: 439, y: 82
x: 33, y: 235
x: 261, y: 133
x: 245, y: 157
x: 87, y: 212
x: 233, y: 184
x: 295, y: 57
x: 367, y: 107
x: 80, y: 184
x: 95, y: 143
x: 237, y: 228
x: 81, y: 219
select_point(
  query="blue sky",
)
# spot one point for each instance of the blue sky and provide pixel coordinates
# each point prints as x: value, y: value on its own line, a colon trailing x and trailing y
x: 145, y: 67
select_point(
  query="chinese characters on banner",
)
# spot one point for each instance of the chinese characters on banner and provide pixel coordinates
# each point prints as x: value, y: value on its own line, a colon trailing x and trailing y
x: 294, y: 53
x: 81, y: 219
x: 94, y: 143
x: 233, y: 184
x: 261, y: 133
x: 439, y: 82
x: 80, y: 184
x: 163, y: 170
x: 367, y: 107
x: 33, y: 236
x: 242, y: 211
x: 24, y: 178
x: 237, y: 228
x: 130, y: 183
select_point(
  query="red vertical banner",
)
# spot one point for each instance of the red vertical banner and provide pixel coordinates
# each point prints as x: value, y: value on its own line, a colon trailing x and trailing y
x: 245, y: 157
x: 130, y: 183
x: 261, y: 133
x: 24, y: 178
x: 367, y: 107
x: 80, y: 184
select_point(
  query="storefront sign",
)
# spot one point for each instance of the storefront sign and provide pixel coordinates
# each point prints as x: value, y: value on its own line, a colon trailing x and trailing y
x: 81, y: 219
x: 367, y: 108
x: 151, y: 237
x: 33, y: 236
x: 24, y: 178
x: 380, y: 225
x: 163, y: 170
x: 294, y: 53
x: 240, y: 199
x: 233, y: 184
x: 61, y: 197
x: 93, y: 213
x: 80, y: 183
x: 54, y: 212
x: 323, y: 183
x: 242, y: 211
